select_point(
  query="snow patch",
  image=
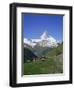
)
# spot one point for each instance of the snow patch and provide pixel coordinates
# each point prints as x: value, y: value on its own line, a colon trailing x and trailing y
x: 45, y: 40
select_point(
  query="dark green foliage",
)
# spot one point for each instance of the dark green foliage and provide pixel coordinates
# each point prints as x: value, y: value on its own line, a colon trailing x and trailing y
x: 28, y: 55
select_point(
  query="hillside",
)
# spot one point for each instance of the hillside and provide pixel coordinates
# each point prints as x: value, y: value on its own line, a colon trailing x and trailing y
x: 28, y: 55
x: 55, y: 51
x: 51, y: 65
x: 38, y: 51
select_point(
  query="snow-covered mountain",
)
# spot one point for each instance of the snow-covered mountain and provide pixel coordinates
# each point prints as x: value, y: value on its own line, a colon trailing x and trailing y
x: 45, y: 40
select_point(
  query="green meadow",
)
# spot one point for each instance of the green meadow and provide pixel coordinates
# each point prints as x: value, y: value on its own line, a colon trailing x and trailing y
x: 53, y: 64
x: 50, y: 66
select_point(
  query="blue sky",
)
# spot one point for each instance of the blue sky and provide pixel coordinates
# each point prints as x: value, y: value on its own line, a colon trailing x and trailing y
x: 34, y: 25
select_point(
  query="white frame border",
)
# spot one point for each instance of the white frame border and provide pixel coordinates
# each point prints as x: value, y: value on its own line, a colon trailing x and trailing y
x: 46, y: 77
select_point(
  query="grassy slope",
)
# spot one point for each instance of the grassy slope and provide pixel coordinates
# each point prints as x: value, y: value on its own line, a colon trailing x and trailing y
x: 55, y: 51
x: 54, y: 64
x: 43, y: 67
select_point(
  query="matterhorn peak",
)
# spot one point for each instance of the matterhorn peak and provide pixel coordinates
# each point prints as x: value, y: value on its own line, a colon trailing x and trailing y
x: 44, y: 35
x: 45, y: 40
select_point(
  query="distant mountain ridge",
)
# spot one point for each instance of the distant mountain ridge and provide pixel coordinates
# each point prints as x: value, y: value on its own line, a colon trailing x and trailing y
x: 45, y: 40
x: 31, y: 54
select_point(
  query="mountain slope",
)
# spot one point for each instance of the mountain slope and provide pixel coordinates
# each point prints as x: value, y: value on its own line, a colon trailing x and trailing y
x: 56, y: 51
x: 28, y: 55
x: 39, y: 51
